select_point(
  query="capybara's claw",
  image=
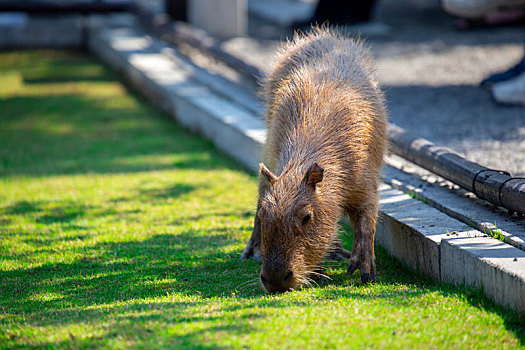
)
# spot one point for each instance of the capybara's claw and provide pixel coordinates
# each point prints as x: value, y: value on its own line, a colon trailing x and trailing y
x: 368, y: 277
x: 351, y: 268
x: 245, y: 256
x: 365, y: 277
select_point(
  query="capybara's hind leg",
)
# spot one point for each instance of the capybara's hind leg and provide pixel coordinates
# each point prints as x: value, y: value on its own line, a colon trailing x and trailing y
x: 253, y: 248
x: 362, y: 256
x: 337, y: 252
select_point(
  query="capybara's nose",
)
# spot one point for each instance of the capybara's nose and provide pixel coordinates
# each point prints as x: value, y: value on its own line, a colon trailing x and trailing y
x: 277, y: 282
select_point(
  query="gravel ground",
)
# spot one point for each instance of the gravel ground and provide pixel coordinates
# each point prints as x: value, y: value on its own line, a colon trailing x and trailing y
x: 430, y: 71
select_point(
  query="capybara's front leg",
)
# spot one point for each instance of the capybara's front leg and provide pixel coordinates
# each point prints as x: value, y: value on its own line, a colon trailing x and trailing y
x: 362, y: 257
x: 253, y: 248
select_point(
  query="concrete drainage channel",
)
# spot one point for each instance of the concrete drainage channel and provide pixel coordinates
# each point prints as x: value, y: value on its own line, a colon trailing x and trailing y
x: 424, y: 238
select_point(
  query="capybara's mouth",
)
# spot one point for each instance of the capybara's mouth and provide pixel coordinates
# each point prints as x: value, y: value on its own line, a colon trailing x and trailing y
x: 278, y: 291
x: 278, y: 285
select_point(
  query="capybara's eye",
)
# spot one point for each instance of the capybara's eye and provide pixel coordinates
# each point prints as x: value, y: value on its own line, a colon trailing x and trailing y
x: 306, y: 219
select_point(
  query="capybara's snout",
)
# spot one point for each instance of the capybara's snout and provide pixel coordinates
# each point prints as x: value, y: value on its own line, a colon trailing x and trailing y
x: 278, y: 280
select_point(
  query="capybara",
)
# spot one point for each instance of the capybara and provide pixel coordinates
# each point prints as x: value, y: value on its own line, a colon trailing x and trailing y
x: 326, y: 138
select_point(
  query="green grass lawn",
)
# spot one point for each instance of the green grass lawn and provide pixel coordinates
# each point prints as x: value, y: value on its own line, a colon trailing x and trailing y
x: 120, y: 229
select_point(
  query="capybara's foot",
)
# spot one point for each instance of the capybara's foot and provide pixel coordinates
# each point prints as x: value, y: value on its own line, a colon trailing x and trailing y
x: 338, y: 255
x: 366, y: 277
x: 337, y: 252
x: 351, y: 268
x: 318, y: 276
x: 366, y: 265
x: 252, y: 251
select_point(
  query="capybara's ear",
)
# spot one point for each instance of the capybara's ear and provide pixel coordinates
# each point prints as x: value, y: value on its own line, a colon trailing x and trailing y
x: 314, y: 175
x: 267, y: 173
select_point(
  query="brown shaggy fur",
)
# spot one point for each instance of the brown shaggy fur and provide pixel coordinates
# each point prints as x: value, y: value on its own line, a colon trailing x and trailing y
x: 326, y: 140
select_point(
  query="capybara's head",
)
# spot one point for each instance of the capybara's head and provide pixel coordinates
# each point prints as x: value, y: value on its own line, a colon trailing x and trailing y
x: 296, y: 229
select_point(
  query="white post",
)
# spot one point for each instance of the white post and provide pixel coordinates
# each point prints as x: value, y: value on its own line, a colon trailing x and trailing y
x: 223, y: 19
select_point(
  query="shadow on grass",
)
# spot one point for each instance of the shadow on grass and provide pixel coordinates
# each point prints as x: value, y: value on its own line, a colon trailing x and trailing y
x: 112, y: 282
x: 46, y: 133
x: 97, y: 140
x: 73, y: 133
x: 135, y: 329
x: 125, y: 275
x: 59, y: 212
x: 66, y: 212
x: 67, y: 78
x: 172, y: 192
x: 189, y: 263
x: 246, y: 214
x: 48, y: 212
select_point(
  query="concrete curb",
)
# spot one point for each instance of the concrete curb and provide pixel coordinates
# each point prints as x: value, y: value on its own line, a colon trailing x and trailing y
x: 422, y: 237
x: 487, y: 264
x: 231, y: 127
x: 456, y: 202
x: 22, y: 31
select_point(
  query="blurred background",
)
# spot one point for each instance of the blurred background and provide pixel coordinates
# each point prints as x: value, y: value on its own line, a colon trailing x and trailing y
x: 450, y: 69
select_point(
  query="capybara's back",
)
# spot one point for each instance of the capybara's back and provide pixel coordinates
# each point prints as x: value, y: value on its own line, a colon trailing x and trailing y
x: 326, y: 140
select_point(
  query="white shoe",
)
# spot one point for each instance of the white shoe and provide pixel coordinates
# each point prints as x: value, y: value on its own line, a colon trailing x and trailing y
x: 510, y: 91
